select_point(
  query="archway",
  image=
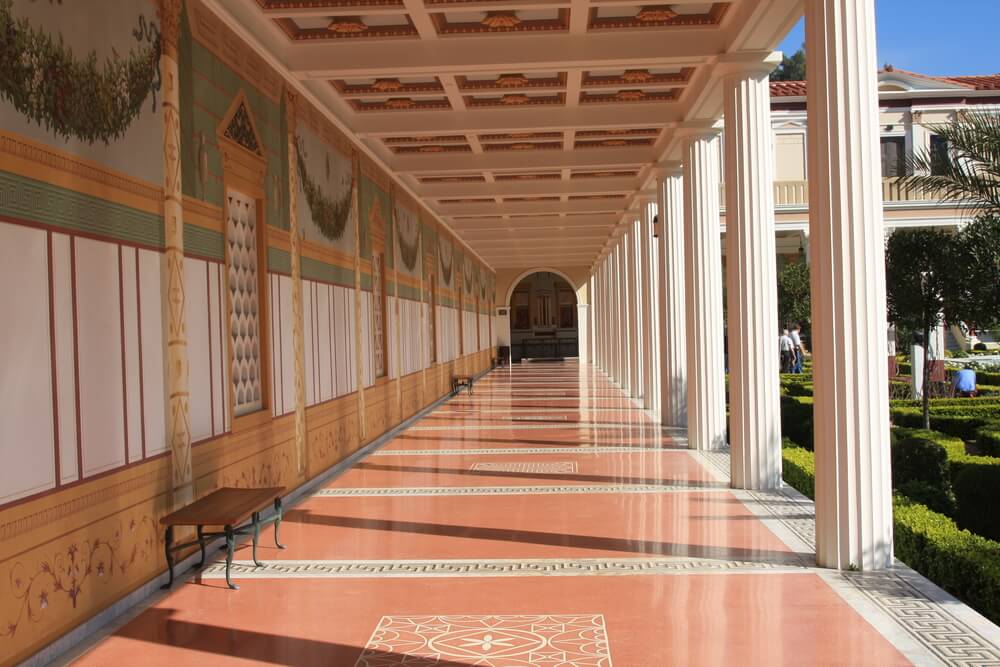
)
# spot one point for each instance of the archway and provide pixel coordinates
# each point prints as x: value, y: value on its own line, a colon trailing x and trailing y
x: 543, y: 317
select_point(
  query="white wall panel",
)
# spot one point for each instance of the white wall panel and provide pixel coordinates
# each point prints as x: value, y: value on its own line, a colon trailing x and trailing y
x: 392, y: 345
x: 274, y: 311
x: 219, y: 348
x: 428, y: 343
x: 284, y: 324
x: 100, y: 356
x: 325, y: 335
x: 198, y: 346
x: 62, y: 310
x: 133, y: 382
x: 309, y: 340
x: 27, y: 432
x: 151, y: 323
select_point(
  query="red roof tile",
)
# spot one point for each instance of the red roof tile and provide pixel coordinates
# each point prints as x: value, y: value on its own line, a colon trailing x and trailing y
x: 976, y: 82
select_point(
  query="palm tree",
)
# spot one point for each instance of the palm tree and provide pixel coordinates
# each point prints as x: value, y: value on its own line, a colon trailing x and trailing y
x: 963, y: 166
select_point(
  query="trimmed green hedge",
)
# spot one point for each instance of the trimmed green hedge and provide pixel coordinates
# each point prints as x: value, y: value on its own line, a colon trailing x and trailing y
x: 988, y: 441
x: 964, y: 564
x: 975, y: 481
x: 799, y: 469
x: 797, y: 419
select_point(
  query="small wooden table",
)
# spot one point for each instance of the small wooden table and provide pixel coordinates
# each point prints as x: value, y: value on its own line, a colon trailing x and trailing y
x: 459, y: 381
x: 226, y: 507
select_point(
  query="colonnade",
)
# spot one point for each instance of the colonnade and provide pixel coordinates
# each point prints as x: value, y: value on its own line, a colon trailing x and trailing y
x: 658, y: 314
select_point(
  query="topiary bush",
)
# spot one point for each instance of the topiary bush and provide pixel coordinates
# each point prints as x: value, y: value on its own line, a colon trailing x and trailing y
x: 916, y: 459
x: 988, y: 441
x: 964, y: 564
x: 797, y: 419
x: 799, y: 470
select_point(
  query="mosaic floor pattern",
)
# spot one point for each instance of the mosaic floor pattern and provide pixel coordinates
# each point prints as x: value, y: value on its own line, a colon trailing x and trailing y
x: 545, y: 520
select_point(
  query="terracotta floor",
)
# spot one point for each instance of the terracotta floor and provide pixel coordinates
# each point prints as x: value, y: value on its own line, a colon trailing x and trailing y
x: 544, y: 520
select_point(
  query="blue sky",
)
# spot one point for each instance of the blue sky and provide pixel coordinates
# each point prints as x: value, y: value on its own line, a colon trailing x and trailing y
x: 939, y: 37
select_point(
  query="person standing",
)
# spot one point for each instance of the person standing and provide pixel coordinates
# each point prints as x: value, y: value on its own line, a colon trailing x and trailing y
x: 797, y: 348
x: 787, y: 349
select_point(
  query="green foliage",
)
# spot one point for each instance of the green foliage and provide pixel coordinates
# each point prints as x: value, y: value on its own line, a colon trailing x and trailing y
x: 969, y: 170
x: 329, y: 216
x: 70, y: 96
x: 793, y: 293
x: 973, y: 294
x: 920, y: 471
x: 964, y: 564
x: 988, y: 441
x: 797, y: 419
x: 918, y: 265
x: 792, y: 68
x: 799, y: 470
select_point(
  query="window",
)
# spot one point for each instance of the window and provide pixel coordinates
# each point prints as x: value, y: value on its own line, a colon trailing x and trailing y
x: 893, y: 157
x: 939, y: 155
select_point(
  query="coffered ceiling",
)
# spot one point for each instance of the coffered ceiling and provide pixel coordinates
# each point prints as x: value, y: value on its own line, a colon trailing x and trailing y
x: 530, y: 126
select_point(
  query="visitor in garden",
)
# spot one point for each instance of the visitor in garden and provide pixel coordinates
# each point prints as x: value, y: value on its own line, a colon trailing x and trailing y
x: 964, y: 383
x: 787, y: 348
x: 797, y: 344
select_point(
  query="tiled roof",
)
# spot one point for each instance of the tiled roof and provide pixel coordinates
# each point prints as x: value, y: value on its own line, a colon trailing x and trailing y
x: 976, y: 82
x: 788, y: 89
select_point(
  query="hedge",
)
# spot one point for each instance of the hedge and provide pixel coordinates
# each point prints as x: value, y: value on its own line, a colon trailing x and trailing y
x: 799, y: 470
x: 797, y: 419
x: 988, y: 441
x: 964, y: 564
x: 975, y: 481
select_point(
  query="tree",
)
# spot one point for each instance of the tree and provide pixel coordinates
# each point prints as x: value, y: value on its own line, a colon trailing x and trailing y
x: 918, y: 268
x: 792, y: 68
x: 793, y: 294
x: 973, y: 291
x: 963, y: 165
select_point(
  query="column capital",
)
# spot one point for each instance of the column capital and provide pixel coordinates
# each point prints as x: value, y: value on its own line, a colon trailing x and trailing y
x: 668, y: 168
x: 169, y: 12
x: 748, y: 63
x: 699, y: 129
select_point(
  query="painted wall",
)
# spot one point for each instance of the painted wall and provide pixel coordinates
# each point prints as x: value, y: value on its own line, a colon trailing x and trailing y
x: 83, y: 423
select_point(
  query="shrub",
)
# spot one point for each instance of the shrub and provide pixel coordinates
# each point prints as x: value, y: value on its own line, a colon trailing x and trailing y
x: 937, y: 498
x: 916, y: 459
x: 988, y: 441
x: 965, y: 565
x: 797, y: 419
x: 799, y: 470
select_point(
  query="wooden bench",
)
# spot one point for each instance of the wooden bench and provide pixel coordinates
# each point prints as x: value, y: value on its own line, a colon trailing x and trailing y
x: 459, y: 381
x: 227, y: 507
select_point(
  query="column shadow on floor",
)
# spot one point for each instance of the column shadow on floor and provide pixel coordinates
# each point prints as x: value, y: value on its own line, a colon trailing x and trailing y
x: 256, y: 646
x: 621, y: 545
x: 552, y: 477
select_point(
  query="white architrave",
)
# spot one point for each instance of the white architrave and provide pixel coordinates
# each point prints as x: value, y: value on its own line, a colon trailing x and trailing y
x: 851, y: 421
x: 751, y: 279
x: 673, y: 341
x: 706, y: 397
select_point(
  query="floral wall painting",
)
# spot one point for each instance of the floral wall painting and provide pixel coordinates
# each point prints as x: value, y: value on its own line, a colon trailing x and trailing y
x: 468, y: 276
x: 326, y: 178
x: 446, y: 257
x: 407, y: 241
x: 85, y: 82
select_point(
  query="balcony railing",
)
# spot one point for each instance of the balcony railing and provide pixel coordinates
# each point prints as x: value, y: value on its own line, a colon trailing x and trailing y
x: 796, y: 193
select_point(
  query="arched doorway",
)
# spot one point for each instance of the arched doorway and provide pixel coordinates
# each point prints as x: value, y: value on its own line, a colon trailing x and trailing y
x: 543, y: 318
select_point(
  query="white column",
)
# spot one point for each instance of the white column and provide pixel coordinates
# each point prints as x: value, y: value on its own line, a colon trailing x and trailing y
x: 645, y: 225
x: 751, y: 279
x: 703, y: 283
x: 851, y: 421
x: 631, y: 273
x: 620, y: 326
x: 583, y: 332
x: 652, y: 261
x: 673, y: 341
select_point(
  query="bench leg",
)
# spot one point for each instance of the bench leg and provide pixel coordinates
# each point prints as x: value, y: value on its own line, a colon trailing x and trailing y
x: 230, y: 547
x: 201, y: 543
x: 256, y: 538
x: 169, y: 542
x: 277, y: 522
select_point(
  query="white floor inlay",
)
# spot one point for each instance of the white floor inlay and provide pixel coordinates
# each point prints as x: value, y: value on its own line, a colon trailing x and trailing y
x: 565, y: 640
x: 552, y: 467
